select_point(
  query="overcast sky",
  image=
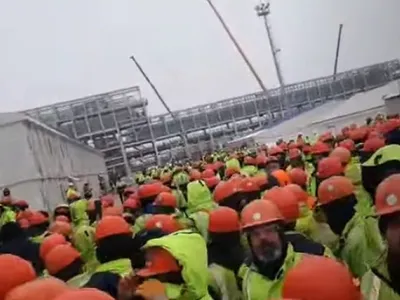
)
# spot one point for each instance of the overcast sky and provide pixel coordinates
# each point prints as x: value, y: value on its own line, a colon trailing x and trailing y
x: 56, y: 50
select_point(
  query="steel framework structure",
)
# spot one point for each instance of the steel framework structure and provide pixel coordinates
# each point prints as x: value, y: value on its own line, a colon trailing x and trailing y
x: 118, y: 124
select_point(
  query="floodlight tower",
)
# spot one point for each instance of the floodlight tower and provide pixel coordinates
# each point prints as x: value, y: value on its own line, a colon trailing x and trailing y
x: 263, y: 10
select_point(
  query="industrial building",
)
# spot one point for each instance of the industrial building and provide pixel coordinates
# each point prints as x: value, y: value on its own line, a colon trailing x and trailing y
x: 37, y: 161
x: 331, y: 116
x: 118, y: 123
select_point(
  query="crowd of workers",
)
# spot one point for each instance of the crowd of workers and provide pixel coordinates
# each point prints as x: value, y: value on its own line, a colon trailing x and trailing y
x: 305, y: 220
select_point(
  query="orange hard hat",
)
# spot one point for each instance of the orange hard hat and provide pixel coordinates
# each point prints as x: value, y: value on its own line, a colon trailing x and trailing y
x: 301, y: 195
x: 165, y: 199
x: 282, y: 177
x: 111, y: 225
x: 387, y: 196
x: 225, y: 189
x: 14, y: 272
x: 334, y: 188
x: 261, y: 160
x: 62, y: 218
x: 166, y: 223
x: 112, y: 211
x: 131, y: 203
x: 223, y: 220
x: 342, y: 153
x: 329, y: 166
x: 231, y: 171
x: 22, y: 204
x: 294, y: 153
x: 298, y: 176
x: 320, y: 278
x: 275, y: 151
x: 348, y: 144
x: 38, y: 289
x: 208, y: 173
x: 212, y: 181
x: 286, y: 202
x: 107, y: 200
x: 195, y: 175
x: 248, y: 160
x: 60, y: 257
x: 63, y: 228
x: 260, y: 212
x: 158, y: 261
x: 50, y: 242
x: 320, y: 148
x: 149, y: 190
x: 37, y: 218
x: 373, y: 144
x: 248, y: 185
x: 86, y: 293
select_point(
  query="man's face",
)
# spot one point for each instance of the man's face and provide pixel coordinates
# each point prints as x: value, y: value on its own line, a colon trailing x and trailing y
x: 266, y: 242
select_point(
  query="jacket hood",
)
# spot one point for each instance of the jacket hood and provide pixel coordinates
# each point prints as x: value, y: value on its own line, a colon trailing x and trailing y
x: 199, y: 197
x: 183, y: 245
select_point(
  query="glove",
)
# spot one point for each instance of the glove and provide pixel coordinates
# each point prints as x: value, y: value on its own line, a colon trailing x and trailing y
x: 152, y: 290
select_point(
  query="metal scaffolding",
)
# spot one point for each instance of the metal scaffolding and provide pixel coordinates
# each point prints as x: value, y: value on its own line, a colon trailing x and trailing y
x: 118, y: 124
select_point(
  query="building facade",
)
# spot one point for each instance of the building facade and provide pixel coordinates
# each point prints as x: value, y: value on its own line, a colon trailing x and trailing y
x: 119, y: 125
x: 37, y: 162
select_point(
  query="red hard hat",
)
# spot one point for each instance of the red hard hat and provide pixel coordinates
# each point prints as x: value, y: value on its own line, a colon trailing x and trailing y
x: 248, y: 160
x: 342, y: 153
x: 301, y: 195
x: 387, y: 197
x: 275, y: 151
x: 50, y: 242
x: 231, y: 171
x: 334, y: 188
x: 15, y: 271
x: 348, y: 144
x: 149, y: 190
x: 207, y: 173
x: 286, y: 202
x: 38, y: 289
x: 248, y: 185
x: 294, y: 153
x: 166, y: 223
x: 298, y: 176
x: 60, y: 257
x: 195, y: 175
x: 320, y: 148
x: 111, y: 225
x: 131, y: 203
x: 160, y: 261
x: 225, y: 189
x: 320, y: 278
x: 165, y: 199
x: 260, y: 212
x: 223, y: 220
x: 212, y: 182
x: 373, y: 144
x: 329, y: 166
